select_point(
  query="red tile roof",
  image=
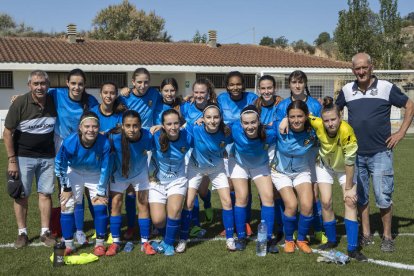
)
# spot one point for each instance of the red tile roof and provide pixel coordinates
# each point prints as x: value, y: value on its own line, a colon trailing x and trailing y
x: 60, y: 51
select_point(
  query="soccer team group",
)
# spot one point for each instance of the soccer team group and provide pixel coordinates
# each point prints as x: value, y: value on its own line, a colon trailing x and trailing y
x: 160, y: 152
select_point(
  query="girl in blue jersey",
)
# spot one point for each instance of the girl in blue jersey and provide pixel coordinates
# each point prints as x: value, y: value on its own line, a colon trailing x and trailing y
x: 70, y: 104
x: 231, y: 103
x: 266, y: 104
x: 298, y: 83
x: 251, y: 160
x: 83, y: 161
x: 145, y: 100
x: 206, y: 159
x: 169, y: 182
x: 130, y: 168
x: 291, y: 172
x: 110, y: 110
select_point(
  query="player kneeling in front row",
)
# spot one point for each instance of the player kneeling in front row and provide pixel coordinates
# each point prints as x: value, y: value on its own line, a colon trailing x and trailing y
x: 82, y: 161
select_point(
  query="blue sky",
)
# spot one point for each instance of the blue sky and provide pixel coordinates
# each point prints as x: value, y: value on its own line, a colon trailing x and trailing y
x: 234, y: 20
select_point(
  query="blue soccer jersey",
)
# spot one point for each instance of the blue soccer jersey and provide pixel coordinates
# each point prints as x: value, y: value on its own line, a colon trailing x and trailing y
x: 160, y: 110
x: 191, y: 112
x: 68, y: 110
x: 250, y: 153
x: 93, y: 160
x: 293, y: 150
x: 107, y: 122
x: 313, y: 105
x: 170, y: 165
x: 145, y: 105
x: 138, y: 155
x: 208, y: 148
x: 268, y: 114
x: 231, y: 109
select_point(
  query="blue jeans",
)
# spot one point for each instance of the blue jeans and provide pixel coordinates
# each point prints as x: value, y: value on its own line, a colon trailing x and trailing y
x: 42, y: 169
x: 378, y: 167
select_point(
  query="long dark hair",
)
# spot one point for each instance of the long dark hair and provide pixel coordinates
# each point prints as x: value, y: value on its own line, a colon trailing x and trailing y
x: 259, y: 101
x: 302, y: 106
x: 178, y: 100
x: 299, y: 75
x: 163, y: 140
x: 117, y: 107
x: 252, y: 109
x: 85, y: 96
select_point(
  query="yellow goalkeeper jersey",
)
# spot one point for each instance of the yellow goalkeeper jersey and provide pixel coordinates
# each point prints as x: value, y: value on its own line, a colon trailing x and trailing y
x: 338, y: 151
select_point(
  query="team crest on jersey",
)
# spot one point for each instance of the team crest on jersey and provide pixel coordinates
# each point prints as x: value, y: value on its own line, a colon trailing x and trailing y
x: 374, y: 92
x: 150, y: 103
x: 183, y: 149
x: 266, y: 146
x: 222, y: 144
x: 306, y: 142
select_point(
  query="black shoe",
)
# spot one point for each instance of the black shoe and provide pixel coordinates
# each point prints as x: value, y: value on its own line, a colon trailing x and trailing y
x: 279, y: 237
x: 328, y: 245
x: 272, y: 246
x: 241, y: 244
x: 357, y: 255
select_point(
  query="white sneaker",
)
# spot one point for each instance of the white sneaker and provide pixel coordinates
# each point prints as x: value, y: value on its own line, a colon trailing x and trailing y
x: 181, y: 246
x: 81, y: 238
x: 231, y: 244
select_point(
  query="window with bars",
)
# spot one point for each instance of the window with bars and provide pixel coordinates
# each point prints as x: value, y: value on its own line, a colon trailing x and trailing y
x: 219, y: 80
x: 6, y: 79
x: 316, y: 91
x: 93, y: 79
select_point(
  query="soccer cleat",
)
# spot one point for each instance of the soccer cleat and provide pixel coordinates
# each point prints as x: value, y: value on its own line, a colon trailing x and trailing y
x: 249, y: 231
x: 197, y: 232
x: 181, y: 246
x: 22, y: 241
x: 168, y: 250
x: 99, y: 250
x: 113, y: 249
x: 304, y: 247
x: 161, y: 247
x: 328, y: 245
x: 147, y: 249
x: 154, y: 245
x: 387, y: 245
x: 241, y: 244
x: 366, y: 240
x: 357, y: 255
x: 272, y: 246
x: 321, y: 237
x: 279, y: 237
x: 129, y: 234
x: 209, y: 212
x: 290, y: 247
x: 110, y: 239
x: 231, y: 244
x: 81, y: 238
x: 47, y: 239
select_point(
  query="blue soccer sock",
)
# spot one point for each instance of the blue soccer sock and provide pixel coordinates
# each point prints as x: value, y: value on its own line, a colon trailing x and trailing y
x: 195, y: 215
x: 115, y: 226
x: 109, y: 205
x: 67, y: 222
x: 304, y: 226
x: 79, y: 214
x: 185, y: 224
x: 249, y: 208
x: 144, y: 228
x: 228, y: 222
x: 330, y: 230
x: 351, y: 228
x: 279, y: 209
x: 131, y: 210
x: 268, y: 215
x: 240, y: 221
x: 207, y: 199
x: 233, y: 198
x: 289, y: 224
x: 171, y: 231
x: 90, y: 206
x: 101, y: 220
x: 317, y: 216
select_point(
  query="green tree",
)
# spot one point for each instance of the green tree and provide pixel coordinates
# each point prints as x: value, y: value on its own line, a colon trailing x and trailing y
x: 281, y: 41
x: 125, y: 22
x: 6, y: 22
x: 390, y: 37
x: 266, y: 41
x: 357, y: 30
x: 303, y: 46
x: 322, y: 38
x: 199, y: 38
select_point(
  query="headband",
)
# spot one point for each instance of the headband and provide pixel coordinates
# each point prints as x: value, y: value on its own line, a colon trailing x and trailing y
x: 210, y: 106
x: 249, y: 111
x: 87, y: 118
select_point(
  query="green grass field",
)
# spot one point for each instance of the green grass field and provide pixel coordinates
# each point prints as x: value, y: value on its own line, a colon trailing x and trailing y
x: 211, y: 257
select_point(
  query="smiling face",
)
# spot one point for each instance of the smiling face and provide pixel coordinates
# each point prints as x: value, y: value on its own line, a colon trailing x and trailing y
x: 212, y: 119
x: 38, y: 85
x: 76, y: 85
x: 168, y: 93
x: 297, y: 119
x: 331, y: 122
x: 108, y: 94
x: 235, y: 87
x: 131, y: 127
x: 171, y: 125
x: 267, y: 90
x: 141, y: 83
x: 89, y: 129
x: 250, y: 123
x: 200, y: 94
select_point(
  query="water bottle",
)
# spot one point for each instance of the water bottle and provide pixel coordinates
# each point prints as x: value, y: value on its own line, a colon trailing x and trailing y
x: 58, y: 254
x: 129, y: 246
x: 261, y: 243
x: 338, y: 257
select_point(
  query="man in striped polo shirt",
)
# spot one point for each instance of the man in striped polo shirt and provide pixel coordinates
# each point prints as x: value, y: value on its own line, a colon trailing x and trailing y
x: 28, y: 137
